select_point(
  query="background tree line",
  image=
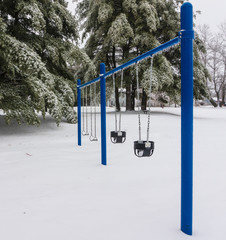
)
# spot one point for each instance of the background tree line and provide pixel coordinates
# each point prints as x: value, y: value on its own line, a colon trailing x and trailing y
x: 119, y: 30
x: 40, y: 59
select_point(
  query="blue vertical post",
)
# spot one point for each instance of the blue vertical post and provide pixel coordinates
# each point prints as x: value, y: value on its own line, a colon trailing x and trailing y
x: 79, y: 112
x: 103, y: 115
x: 187, y: 36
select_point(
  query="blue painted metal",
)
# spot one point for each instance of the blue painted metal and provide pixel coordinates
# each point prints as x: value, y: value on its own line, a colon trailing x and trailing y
x: 90, y: 82
x: 137, y: 59
x: 79, y: 112
x: 103, y: 115
x: 187, y: 36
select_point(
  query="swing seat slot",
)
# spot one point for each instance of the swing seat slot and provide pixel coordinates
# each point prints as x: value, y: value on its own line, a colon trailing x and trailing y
x: 93, y: 139
x: 143, y: 148
x: 85, y: 133
x: 118, y: 136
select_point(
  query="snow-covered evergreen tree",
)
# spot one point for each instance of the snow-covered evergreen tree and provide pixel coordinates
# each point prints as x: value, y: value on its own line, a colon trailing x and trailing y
x: 37, y: 50
x: 119, y: 30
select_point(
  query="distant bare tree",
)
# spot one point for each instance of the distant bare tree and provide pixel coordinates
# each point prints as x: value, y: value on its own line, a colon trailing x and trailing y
x: 223, y: 75
x: 214, y: 59
x: 223, y: 55
x: 215, y: 64
x: 205, y: 35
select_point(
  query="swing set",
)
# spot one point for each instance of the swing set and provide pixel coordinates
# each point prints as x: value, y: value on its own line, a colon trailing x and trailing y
x: 142, y: 148
x: 85, y: 129
x: 145, y: 148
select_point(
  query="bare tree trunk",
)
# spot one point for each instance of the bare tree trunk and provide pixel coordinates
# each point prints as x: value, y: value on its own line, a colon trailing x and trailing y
x: 213, y: 102
x: 116, y: 88
x: 223, y: 94
x: 144, y: 101
x: 128, y: 98
x: 133, y: 98
x: 117, y: 99
x: 128, y: 81
x: 218, y: 98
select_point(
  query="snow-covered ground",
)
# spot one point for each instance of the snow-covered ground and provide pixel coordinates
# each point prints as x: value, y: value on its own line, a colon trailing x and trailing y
x: 51, y: 189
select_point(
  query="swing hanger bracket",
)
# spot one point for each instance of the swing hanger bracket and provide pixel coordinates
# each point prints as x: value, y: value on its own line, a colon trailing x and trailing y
x: 186, y: 34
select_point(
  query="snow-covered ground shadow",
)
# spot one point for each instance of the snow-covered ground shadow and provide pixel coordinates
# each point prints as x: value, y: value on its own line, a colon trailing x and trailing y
x: 14, y: 128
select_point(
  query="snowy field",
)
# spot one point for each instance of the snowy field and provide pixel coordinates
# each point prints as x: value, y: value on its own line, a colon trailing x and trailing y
x: 51, y: 189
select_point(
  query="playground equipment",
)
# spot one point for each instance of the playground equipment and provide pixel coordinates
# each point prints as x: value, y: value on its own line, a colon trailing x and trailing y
x: 185, y: 38
x: 118, y: 136
x: 93, y: 102
x: 85, y: 131
x: 144, y: 148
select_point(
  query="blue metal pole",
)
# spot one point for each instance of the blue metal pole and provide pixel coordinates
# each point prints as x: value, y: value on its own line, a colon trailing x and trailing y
x: 79, y: 112
x: 103, y: 115
x: 187, y: 35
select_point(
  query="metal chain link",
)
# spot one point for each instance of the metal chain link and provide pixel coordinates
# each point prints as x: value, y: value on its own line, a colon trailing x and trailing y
x: 149, y: 102
x: 91, y: 114
x: 87, y: 132
x: 120, y: 112
x: 113, y: 76
x: 95, y: 111
x: 83, y: 112
x: 138, y: 99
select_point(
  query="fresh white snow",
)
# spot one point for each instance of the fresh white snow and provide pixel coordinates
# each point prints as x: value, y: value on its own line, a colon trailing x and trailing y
x: 51, y: 189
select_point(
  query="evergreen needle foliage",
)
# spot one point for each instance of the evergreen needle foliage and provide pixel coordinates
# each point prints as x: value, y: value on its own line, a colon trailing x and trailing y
x: 37, y: 52
x: 118, y: 30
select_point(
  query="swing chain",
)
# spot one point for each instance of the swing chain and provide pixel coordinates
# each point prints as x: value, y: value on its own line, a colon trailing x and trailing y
x: 95, y: 112
x: 149, y: 102
x: 120, y: 112
x: 138, y: 99
x: 91, y: 117
x: 83, y: 112
x: 113, y: 76
x: 86, y: 113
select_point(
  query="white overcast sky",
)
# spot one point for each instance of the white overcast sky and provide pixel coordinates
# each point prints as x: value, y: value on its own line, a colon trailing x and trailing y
x: 213, y: 12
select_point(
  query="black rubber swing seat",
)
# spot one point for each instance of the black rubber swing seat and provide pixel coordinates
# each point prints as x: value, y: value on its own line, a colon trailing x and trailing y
x: 143, y: 148
x: 118, y: 136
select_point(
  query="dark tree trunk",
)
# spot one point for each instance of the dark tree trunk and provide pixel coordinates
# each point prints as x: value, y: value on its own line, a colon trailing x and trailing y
x: 133, y: 98
x: 144, y: 101
x: 213, y: 102
x: 113, y: 57
x: 117, y: 99
x: 128, y: 82
x: 218, y: 98
x: 128, y: 98
x: 223, y: 94
x: 116, y: 88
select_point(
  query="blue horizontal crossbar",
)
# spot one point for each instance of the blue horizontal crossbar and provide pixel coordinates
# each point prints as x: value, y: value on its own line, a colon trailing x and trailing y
x: 90, y: 82
x: 135, y: 60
